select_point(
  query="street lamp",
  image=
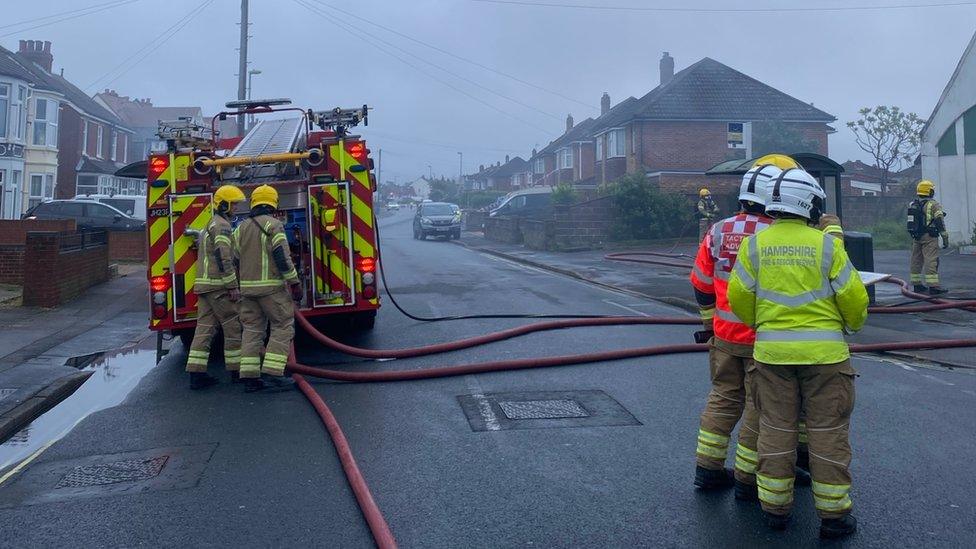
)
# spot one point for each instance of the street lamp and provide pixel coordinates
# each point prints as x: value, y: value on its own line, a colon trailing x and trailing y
x: 430, y: 173
x: 250, y: 76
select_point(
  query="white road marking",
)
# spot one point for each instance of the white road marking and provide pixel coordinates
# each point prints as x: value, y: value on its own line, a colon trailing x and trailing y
x: 937, y: 380
x: 624, y: 307
x: 487, y: 414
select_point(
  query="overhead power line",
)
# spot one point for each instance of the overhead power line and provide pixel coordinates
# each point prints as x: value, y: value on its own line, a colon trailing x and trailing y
x: 149, y: 48
x: 458, y: 57
x: 727, y: 10
x: 67, y: 16
x: 448, y: 71
x: 356, y: 33
x: 449, y: 146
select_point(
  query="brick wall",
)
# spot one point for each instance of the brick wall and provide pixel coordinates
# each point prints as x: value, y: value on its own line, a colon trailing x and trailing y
x: 684, y: 145
x: 11, y: 263
x: 537, y: 234
x: 70, y: 134
x: 862, y: 212
x: 587, y: 155
x: 15, y: 231
x: 53, y: 276
x: 474, y: 220
x: 127, y: 245
x: 611, y: 169
x: 725, y: 189
x: 582, y: 225
x: 503, y: 229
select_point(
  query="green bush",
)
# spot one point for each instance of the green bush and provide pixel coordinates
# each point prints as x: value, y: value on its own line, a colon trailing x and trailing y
x: 478, y: 199
x: 890, y: 235
x: 564, y: 194
x: 642, y: 212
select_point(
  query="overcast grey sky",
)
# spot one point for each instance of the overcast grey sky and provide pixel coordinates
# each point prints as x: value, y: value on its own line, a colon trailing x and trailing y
x: 839, y: 61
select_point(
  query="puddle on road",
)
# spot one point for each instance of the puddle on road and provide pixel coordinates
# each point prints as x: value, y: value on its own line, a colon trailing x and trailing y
x: 115, y: 374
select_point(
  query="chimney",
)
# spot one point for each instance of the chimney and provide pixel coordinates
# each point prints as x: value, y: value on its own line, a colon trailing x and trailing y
x: 667, y: 68
x: 605, y: 104
x: 37, y: 52
x: 506, y: 159
x: 569, y: 122
x: 534, y: 152
x: 481, y: 168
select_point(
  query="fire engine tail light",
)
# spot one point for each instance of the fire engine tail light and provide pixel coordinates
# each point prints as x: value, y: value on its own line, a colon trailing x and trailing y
x: 369, y: 278
x: 369, y: 292
x: 159, y: 311
x: 358, y: 151
x: 367, y: 265
x: 157, y: 165
x: 159, y: 283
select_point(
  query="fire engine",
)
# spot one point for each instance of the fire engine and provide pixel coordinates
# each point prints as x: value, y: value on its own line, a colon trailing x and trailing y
x: 325, y: 184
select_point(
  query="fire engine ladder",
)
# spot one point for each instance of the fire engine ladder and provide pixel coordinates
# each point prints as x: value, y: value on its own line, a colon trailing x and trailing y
x: 267, y: 137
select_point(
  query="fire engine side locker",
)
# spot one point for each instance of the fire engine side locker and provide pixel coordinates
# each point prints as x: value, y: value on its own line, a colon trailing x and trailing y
x: 333, y: 273
x: 189, y: 216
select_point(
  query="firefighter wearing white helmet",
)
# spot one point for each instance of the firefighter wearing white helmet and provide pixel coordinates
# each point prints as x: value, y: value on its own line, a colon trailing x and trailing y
x: 796, y: 286
x: 218, y: 295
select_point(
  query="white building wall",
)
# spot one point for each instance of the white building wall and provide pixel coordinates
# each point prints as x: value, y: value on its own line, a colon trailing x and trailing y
x: 954, y: 176
x: 41, y: 159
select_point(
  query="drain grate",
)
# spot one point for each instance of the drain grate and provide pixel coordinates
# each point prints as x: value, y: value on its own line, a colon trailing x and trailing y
x: 542, y: 409
x: 6, y: 391
x: 127, y: 470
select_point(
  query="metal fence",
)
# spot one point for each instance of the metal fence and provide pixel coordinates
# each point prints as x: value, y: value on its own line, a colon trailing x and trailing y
x: 71, y: 242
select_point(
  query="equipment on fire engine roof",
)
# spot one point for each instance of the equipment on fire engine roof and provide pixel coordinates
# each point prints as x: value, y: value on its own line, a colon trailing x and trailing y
x: 340, y: 120
x: 265, y: 195
x: 255, y: 103
x: 184, y: 132
x: 781, y: 161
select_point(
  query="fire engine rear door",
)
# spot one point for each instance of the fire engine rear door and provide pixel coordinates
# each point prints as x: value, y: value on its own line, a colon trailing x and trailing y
x: 189, y: 215
x: 333, y: 274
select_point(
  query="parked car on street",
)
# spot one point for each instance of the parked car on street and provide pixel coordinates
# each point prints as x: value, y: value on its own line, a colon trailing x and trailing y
x: 437, y: 219
x: 131, y: 205
x: 393, y: 206
x: 88, y: 214
x: 524, y: 203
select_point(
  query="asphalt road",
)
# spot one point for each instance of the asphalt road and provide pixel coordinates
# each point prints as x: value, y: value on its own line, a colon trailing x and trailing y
x: 259, y: 470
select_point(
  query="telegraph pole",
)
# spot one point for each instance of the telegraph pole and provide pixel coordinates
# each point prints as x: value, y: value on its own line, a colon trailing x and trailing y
x: 242, y: 66
x: 379, y: 170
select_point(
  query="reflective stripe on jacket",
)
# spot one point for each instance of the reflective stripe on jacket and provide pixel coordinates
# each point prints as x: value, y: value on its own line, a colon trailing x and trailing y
x: 256, y: 239
x: 215, y: 258
x: 713, y: 266
x: 797, y: 287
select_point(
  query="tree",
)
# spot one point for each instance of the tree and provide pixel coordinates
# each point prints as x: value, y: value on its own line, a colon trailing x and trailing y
x: 775, y: 136
x: 642, y: 212
x: 890, y: 136
x: 443, y: 190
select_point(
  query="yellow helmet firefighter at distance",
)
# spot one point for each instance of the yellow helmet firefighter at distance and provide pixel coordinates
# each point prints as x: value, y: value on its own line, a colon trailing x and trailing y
x: 227, y: 194
x: 781, y: 161
x: 265, y: 195
x: 925, y: 188
x: 704, y: 192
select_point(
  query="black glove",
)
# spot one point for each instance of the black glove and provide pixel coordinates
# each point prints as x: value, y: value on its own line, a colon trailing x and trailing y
x: 945, y: 241
x: 703, y: 336
x: 296, y: 292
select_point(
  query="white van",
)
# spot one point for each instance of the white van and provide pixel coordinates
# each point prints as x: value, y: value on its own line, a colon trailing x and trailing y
x: 532, y: 200
x: 131, y: 205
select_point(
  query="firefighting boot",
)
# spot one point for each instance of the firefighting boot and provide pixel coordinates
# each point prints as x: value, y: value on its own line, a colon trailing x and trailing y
x: 838, y: 527
x: 777, y: 522
x: 746, y: 492
x: 268, y: 384
x: 936, y: 290
x: 919, y: 289
x: 201, y: 380
x: 711, y: 479
x: 235, y: 376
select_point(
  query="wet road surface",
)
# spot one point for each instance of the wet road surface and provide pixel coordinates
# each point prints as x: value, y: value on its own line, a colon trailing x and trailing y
x: 259, y: 470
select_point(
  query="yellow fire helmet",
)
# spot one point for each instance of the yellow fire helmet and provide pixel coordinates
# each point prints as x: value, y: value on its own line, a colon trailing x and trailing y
x: 227, y: 194
x: 265, y: 195
x: 704, y: 192
x: 781, y: 161
x: 925, y: 188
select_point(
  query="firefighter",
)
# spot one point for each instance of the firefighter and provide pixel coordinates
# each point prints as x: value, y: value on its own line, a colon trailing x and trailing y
x: 707, y: 212
x: 217, y: 292
x: 267, y: 273
x: 797, y: 287
x: 926, y: 224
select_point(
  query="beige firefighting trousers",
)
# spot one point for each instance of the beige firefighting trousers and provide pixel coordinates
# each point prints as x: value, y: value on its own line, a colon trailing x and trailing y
x: 215, y: 309
x: 729, y: 400
x: 925, y: 260
x: 257, y: 312
x: 824, y: 393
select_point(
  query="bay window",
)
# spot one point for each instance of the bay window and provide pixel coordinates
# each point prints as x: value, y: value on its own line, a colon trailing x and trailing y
x: 45, y: 123
x: 4, y: 108
x: 616, y: 143
x: 599, y: 147
x: 565, y: 158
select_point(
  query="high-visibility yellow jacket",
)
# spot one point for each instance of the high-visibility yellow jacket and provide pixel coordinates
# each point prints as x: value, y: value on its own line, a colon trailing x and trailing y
x: 265, y: 259
x: 797, y: 287
x: 215, y: 258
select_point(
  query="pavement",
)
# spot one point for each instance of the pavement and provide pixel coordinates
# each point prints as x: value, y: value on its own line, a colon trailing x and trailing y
x: 448, y: 462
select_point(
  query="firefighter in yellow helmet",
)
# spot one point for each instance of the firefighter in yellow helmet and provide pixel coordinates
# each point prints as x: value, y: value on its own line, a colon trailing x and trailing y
x: 217, y: 292
x: 707, y: 212
x: 926, y: 223
x: 267, y: 273
x: 796, y: 285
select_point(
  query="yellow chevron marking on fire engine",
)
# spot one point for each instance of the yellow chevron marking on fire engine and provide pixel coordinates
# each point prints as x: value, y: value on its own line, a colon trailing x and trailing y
x: 361, y: 210
x: 157, y: 229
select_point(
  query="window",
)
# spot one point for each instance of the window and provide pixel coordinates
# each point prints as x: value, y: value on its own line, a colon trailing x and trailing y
x: 71, y: 209
x: 947, y: 145
x: 565, y: 158
x: 101, y: 211
x: 633, y: 139
x: 19, y: 119
x: 599, y: 147
x: 4, y: 108
x: 969, y: 131
x: 124, y: 148
x: 540, y: 166
x: 98, y: 143
x: 616, y: 143
x: 36, y: 190
x: 87, y: 184
x: 114, y: 145
x: 45, y: 123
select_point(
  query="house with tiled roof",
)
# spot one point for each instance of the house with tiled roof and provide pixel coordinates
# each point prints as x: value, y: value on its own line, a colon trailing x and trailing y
x: 694, y: 119
x: 143, y: 118
x: 73, y: 144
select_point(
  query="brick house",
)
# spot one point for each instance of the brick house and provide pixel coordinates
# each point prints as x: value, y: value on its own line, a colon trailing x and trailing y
x: 500, y: 177
x: 694, y: 119
x: 143, y: 118
x: 92, y: 143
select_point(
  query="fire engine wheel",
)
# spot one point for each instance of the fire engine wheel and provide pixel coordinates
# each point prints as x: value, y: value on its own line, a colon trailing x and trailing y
x: 363, y: 322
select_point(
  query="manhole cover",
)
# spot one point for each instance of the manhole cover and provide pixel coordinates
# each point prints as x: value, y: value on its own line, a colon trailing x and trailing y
x: 541, y: 409
x: 128, y: 470
x: 5, y: 392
